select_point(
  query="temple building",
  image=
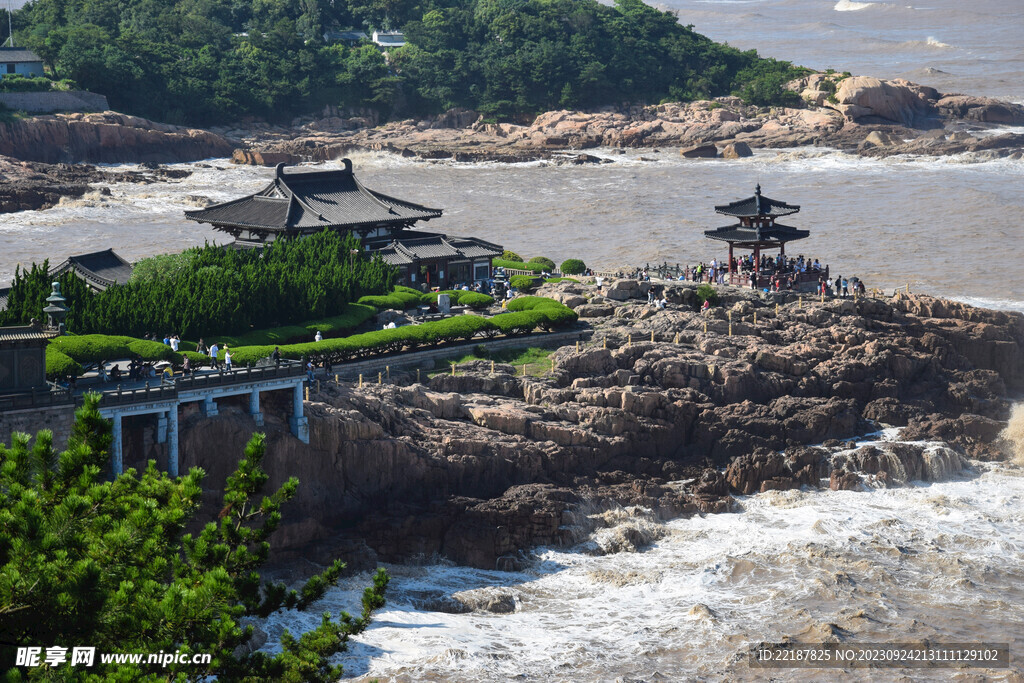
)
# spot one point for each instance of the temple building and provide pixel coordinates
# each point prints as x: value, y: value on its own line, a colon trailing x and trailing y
x: 305, y: 202
x: 99, y: 270
x: 757, y: 229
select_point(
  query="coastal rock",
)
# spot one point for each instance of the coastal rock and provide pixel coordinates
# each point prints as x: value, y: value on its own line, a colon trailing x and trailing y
x: 107, y: 137
x: 736, y: 150
x: 981, y: 109
x: 700, y: 152
x: 898, y: 101
x: 240, y: 156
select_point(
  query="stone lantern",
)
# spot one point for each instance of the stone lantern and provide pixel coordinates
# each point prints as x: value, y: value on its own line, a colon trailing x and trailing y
x: 56, y: 310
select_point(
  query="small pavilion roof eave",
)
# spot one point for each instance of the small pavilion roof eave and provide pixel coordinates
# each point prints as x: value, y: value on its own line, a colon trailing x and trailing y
x: 757, y: 206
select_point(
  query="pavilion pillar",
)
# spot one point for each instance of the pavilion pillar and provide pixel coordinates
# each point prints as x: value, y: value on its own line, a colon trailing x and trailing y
x: 254, y: 407
x: 116, y: 454
x: 298, y: 422
x: 731, y: 271
x: 172, y: 441
x: 782, y: 250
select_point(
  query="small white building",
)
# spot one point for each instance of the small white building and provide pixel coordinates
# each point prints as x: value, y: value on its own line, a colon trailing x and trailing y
x: 389, y: 38
x: 18, y: 60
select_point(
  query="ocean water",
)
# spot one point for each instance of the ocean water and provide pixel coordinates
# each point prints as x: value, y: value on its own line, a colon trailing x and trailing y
x: 945, y: 226
x: 942, y: 562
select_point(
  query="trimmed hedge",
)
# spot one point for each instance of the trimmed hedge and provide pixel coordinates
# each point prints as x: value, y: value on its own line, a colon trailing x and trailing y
x: 94, y: 348
x: 400, y: 299
x: 460, y: 297
x: 548, y: 264
x: 518, y: 265
x: 554, y: 313
x: 543, y: 312
x: 511, y: 256
x: 573, y: 266
x: 60, y: 365
x: 352, y: 317
x: 523, y: 283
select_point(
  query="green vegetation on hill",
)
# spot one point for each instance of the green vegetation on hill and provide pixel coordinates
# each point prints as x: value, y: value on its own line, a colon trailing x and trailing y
x: 108, y: 564
x: 211, y: 290
x: 221, y: 60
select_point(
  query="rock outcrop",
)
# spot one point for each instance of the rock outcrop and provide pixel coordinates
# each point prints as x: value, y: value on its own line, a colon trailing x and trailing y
x: 480, y: 466
x: 838, y: 111
x: 106, y: 137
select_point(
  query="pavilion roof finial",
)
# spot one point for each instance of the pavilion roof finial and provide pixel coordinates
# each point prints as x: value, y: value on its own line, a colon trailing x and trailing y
x: 757, y: 190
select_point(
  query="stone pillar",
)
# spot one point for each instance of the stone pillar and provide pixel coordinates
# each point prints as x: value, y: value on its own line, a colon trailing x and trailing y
x: 116, y: 454
x: 161, y: 428
x: 172, y: 441
x: 209, y: 406
x: 254, y: 407
x: 299, y: 423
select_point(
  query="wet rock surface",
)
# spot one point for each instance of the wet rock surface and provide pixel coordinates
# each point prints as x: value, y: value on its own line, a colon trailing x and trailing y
x: 481, y: 466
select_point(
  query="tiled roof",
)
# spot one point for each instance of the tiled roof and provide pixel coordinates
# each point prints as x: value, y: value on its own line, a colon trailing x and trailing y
x: 24, y: 333
x: 743, y: 233
x: 410, y: 250
x: 308, y: 201
x: 100, y: 269
x: 758, y: 205
x: 18, y: 54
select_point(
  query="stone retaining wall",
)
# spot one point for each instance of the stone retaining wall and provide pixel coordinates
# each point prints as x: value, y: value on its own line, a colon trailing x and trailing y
x: 58, y: 419
x: 54, y: 100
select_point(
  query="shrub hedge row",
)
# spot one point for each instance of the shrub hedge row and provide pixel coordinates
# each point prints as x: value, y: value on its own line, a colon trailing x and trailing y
x: 518, y: 265
x: 459, y: 297
x: 543, y: 313
x: 60, y: 365
x: 351, y: 317
x: 67, y: 355
x: 523, y: 283
x: 404, y: 297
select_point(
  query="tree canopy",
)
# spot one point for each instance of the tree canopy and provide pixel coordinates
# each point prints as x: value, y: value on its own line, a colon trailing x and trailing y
x: 216, y: 61
x: 212, y: 290
x: 85, y: 561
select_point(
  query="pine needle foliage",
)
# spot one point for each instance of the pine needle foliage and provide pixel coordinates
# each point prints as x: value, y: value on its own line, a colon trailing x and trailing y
x: 85, y: 561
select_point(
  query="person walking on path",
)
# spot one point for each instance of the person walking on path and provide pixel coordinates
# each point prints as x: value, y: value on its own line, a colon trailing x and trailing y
x: 276, y: 355
x: 214, y: 350
x: 227, y: 358
x: 309, y: 371
x: 201, y: 347
x: 175, y: 343
x: 186, y: 367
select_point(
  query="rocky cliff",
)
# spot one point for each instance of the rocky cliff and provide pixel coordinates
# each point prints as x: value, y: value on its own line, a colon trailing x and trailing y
x: 482, y: 465
x: 106, y: 137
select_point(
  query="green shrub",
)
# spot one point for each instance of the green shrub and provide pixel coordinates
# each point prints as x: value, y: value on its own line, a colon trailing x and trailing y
x: 523, y: 283
x: 548, y: 264
x: 475, y: 300
x: 399, y: 299
x: 459, y: 297
x: 512, y: 324
x: 152, y: 351
x: 573, y: 266
x: 511, y: 256
x: 518, y: 265
x: 552, y: 313
x: 201, y: 359
x: 707, y: 293
x: 60, y: 365
x: 93, y: 348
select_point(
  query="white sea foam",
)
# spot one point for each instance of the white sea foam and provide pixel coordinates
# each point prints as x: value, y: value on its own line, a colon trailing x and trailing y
x: 851, y: 6
x: 942, y: 561
x: 995, y: 304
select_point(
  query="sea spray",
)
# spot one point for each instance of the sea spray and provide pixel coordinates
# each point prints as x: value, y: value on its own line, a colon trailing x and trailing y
x: 1013, y: 435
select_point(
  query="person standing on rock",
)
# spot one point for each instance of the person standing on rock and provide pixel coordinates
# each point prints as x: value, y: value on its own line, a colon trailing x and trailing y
x: 753, y: 280
x: 846, y: 290
x: 839, y: 286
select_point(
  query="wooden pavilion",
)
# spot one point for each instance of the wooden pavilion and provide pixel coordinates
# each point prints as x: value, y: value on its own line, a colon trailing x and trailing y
x: 305, y: 202
x: 757, y: 228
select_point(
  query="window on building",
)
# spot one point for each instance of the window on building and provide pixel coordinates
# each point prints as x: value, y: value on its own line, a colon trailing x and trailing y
x: 481, y: 271
x: 11, y: 68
